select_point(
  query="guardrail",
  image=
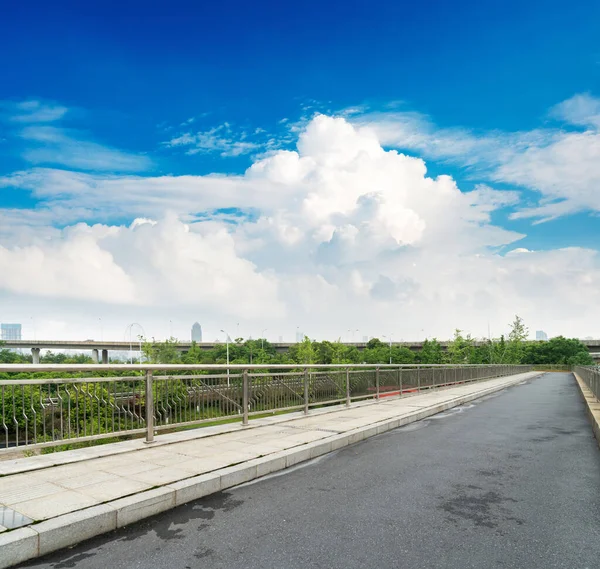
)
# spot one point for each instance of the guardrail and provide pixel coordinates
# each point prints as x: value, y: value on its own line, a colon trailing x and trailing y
x: 551, y: 367
x: 591, y: 376
x: 45, y: 412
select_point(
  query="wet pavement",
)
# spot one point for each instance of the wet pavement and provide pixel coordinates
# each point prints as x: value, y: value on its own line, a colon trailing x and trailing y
x: 509, y: 481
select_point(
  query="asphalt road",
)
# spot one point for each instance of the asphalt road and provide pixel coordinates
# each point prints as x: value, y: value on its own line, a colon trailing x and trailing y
x: 512, y: 481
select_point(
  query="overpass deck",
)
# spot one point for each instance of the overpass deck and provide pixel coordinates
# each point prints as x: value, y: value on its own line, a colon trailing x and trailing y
x: 63, y: 498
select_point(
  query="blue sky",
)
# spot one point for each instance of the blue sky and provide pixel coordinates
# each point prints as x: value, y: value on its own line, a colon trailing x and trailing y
x: 100, y: 95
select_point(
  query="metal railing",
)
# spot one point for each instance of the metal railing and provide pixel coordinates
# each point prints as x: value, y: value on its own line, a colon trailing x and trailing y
x: 591, y: 376
x: 45, y: 412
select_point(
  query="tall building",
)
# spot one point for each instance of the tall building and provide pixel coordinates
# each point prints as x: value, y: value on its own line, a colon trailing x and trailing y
x: 196, y: 332
x: 541, y: 336
x: 10, y: 331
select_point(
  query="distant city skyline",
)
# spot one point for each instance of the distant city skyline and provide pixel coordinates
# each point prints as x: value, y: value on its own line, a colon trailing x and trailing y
x: 10, y: 331
x: 196, y: 335
x: 178, y: 329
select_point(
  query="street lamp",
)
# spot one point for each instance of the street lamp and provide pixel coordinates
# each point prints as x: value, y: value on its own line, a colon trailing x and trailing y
x: 390, y: 339
x: 262, y: 339
x: 143, y: 334
x: 227, y: 342
x: 101, y: 331
x: 353, y: 331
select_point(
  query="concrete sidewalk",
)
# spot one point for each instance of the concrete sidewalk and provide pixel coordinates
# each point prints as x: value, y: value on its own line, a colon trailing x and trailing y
x: 65, y: 498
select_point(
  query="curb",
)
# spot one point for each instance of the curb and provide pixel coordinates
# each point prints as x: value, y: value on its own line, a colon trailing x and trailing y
x: 27, y: 543
x: 592, y: 406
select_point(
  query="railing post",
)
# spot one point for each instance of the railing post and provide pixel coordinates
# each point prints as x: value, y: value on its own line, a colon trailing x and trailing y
x: 418, y: 377
x: 306, y: 391
x: 245, y: 390
x: 400, y: 381
x: 149, y: 408
x: 347, y: 387
x: 377, y: 384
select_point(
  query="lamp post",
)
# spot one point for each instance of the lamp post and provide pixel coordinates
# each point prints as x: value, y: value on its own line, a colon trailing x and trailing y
x: 353, y: 331
x: 390, y: 339
x: 227, y: 343
x: 143, y: 334
x: 262, y: 339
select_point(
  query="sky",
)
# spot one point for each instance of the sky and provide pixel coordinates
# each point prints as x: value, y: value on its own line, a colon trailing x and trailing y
x: 338, y: 169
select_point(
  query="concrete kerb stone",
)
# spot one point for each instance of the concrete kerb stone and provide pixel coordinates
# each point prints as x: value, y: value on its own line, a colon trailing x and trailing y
x: 592, y: 406
x: 338, y: 442
x: 25, y: 543
x: 236, y: 475
x: 62, y: 531
x: 319, y: 448
x: 268, y: 464
x: 143, y: 505
x: 197, y: 487
x: 17, y: 546
x: 294, y: 456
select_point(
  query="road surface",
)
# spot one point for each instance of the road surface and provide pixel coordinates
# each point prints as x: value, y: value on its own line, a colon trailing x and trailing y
x: 511, y: 481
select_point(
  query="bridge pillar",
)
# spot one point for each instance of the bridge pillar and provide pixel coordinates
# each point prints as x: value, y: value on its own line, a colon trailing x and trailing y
x: 35, y: 355
x: 104, y: 356
x: 95, y: 355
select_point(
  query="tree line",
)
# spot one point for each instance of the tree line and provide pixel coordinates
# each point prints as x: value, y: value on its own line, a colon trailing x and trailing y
x: 514, y: 348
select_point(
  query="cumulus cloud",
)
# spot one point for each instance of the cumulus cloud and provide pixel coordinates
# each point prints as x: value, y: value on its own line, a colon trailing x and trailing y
x: 147, y: 263
x: 344, y: 234
x: 561, y: 164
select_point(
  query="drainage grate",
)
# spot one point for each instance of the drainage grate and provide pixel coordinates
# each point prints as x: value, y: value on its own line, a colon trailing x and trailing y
x: 12, y: 519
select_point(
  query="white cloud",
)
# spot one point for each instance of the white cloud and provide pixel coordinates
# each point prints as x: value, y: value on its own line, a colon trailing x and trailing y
x: 582, y: 110
x: 33, y: 111
x: 221, y: 139
x: 68, y: 147
x: 344, y: 235
x: 150, y: 264
x: 562, y: 164
x: 41, y: 143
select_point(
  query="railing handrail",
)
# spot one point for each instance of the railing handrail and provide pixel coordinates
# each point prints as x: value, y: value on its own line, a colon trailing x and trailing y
x: 32, y: 368
x: 42, y: 412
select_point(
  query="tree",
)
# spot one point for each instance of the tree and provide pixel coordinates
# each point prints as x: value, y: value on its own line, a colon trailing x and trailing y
x: 515, y: 348
x: 305, y: 352
x: 460, y: 349
x: 161, y: 352
x: 374, y: 343
x: 431, y: 352
x: 559, y: 350
x: 12, y: 357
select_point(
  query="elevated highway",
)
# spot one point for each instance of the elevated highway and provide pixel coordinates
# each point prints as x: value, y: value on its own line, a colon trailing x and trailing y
x: 103, y: 347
